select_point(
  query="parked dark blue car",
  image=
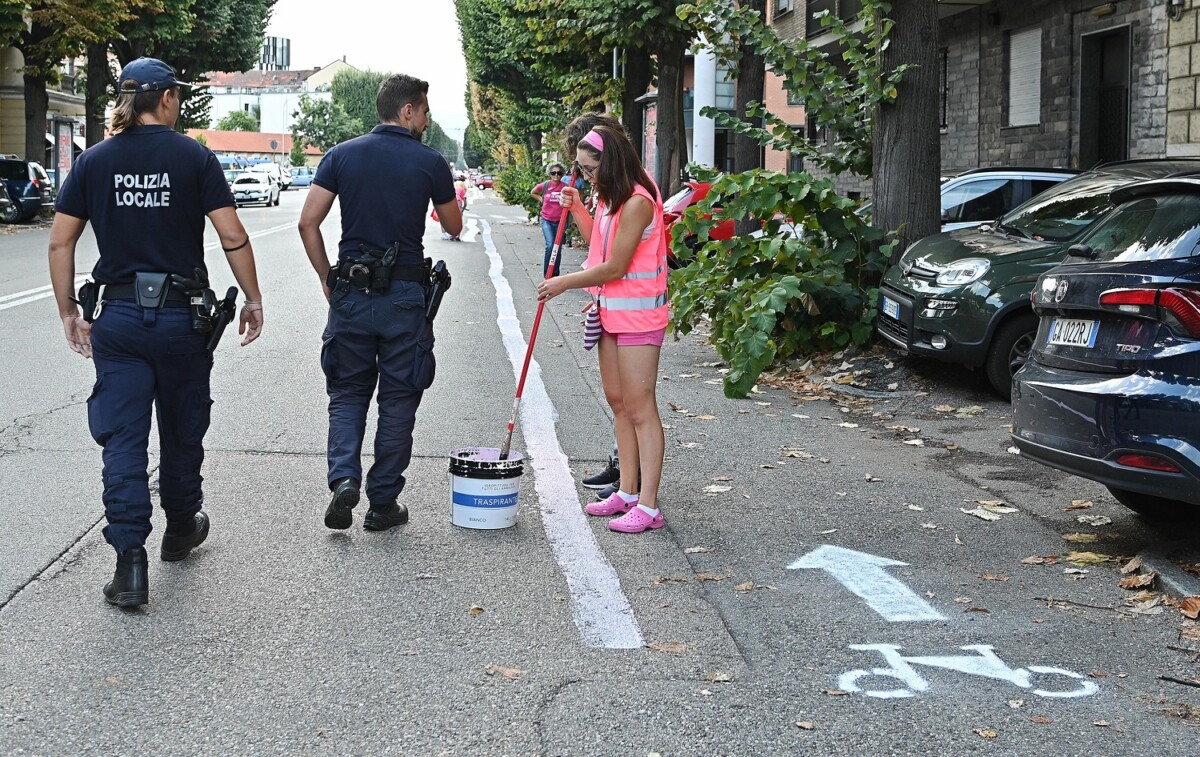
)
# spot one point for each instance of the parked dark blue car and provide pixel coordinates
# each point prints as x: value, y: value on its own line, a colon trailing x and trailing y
x: 1111, y: 391
x: 28, y: 186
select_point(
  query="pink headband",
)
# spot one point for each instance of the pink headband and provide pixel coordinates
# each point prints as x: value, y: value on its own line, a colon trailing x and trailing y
x: 594, y: 139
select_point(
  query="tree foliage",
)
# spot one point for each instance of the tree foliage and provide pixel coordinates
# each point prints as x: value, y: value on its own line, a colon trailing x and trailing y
x: 807, y: 283
x: 355, y: 93
x: 323, y: 124
x: 239, y: 120
x: 296, y: 156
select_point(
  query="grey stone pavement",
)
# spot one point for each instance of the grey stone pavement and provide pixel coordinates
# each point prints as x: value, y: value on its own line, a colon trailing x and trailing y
x: 278, y: 636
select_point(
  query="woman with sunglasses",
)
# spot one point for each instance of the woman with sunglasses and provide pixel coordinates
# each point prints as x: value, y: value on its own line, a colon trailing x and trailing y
x: 548, y: 192
x: 627, y: 269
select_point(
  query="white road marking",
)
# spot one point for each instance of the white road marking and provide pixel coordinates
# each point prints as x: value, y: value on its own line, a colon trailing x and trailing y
x: 40, y: 293
x: 470, y: 230
x: 865, y: 576
x: 601, y: 610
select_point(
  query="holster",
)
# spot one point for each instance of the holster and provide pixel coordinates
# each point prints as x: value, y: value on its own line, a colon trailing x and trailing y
x: 89, y: 296
x: 439, y: 282
x: 151, y: 289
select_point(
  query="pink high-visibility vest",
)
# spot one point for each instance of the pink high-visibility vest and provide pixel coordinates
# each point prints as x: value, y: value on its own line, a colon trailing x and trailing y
x: 638, y: 300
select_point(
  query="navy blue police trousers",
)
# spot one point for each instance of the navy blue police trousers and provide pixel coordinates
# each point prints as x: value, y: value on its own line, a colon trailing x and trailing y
x: 148, y: 360
x: 376, y: 341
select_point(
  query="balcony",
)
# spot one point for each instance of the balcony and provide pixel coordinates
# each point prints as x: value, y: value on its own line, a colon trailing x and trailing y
x: 846, y: 10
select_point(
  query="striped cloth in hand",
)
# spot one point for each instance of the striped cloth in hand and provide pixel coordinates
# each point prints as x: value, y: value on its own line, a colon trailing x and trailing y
x: 591, y: 326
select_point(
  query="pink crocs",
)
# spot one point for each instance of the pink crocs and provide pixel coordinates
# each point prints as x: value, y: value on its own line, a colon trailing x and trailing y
x: 635, y: 521
x: 611, y: 506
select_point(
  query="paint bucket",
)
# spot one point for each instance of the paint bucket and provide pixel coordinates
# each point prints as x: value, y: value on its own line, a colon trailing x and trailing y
x: 483, y: 488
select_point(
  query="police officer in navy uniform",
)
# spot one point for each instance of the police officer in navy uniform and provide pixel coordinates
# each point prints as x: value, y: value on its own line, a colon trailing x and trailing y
x: 377, y: 334
x: 146, y: 191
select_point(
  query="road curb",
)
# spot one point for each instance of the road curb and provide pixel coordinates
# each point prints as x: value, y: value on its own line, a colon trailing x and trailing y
x: 1174, y: 579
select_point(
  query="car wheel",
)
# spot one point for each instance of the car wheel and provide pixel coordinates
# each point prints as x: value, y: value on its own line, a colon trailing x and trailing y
x: 1009, y: 351
x: 11, y: 214
x: 1157, y: 508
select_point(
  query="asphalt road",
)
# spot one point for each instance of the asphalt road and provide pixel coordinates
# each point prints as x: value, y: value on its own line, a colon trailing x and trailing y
x: 756, y: 622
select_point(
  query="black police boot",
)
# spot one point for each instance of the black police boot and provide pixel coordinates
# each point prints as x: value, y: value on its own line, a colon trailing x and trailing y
x: 130, y: 585
x: 345, y: 497
x: 178, y: 544
x: 609, y: 476
x: 383, y: 517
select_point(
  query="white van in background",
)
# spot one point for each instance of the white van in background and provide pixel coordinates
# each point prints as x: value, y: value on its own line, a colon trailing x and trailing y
x: 280, y: 173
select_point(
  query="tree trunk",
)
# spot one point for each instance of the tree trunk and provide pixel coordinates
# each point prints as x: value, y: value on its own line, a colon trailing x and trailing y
x: 906, y: 141
x: 671, y: 135
x: 751, y: 76
x: 637, y: 81
x: 97, y: 92
x: 37, y: 102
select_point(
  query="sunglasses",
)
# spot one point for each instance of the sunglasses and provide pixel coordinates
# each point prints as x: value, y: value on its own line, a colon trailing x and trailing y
x: 556, y: 173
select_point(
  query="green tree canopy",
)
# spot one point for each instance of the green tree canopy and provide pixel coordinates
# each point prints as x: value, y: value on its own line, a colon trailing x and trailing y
x: 238, y: 120
x: 323, y: 124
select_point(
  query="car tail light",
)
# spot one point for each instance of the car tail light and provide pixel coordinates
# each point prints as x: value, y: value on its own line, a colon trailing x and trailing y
x: 1149, y: 462
x: 1180, y: 306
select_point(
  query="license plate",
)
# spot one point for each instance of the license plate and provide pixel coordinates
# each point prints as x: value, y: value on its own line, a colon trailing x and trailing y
x: 891, y: 308
x: 1073, y: 332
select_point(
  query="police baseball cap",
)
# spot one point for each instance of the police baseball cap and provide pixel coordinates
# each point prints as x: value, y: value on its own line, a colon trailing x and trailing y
x: 148, y: 75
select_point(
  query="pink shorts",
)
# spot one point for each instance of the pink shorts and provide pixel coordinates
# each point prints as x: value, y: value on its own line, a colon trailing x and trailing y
x: 641, y: 338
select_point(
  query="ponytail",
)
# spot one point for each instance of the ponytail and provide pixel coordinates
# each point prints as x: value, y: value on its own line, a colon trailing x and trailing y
x: 129, y: 107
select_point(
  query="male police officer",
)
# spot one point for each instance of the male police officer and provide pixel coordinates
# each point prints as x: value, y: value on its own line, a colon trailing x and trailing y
x: 146, y: 191
x: 377, y: 332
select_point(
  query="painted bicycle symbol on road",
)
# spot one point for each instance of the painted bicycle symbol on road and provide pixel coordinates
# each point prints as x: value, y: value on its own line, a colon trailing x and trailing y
x: 983, y: 663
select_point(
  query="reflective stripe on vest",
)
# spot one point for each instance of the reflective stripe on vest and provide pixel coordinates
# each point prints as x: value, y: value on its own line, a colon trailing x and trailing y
x: 645, y: 274
x: 633, y: 303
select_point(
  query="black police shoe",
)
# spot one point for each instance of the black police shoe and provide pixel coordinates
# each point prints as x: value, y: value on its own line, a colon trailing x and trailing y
x: 345, y: 497
x: 178, y: 545
x: 608, y: 476
x: 384, y: 517
x: 130, y: 585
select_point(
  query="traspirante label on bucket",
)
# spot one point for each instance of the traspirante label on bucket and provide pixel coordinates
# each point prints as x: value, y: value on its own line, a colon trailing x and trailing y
x: 473, y: 500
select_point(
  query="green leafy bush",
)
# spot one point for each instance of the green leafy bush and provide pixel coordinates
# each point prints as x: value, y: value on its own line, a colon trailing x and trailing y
x: 804, y: 285
x: 515, y: 182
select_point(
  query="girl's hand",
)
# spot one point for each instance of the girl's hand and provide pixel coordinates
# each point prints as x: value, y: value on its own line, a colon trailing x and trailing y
x: 568, y: 196
x: 550, y: 288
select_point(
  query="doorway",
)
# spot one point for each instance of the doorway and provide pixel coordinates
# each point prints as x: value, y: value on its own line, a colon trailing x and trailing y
x: 1104, y: 67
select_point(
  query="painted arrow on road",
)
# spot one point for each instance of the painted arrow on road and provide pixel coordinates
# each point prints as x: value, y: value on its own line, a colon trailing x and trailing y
x: 864, y: 575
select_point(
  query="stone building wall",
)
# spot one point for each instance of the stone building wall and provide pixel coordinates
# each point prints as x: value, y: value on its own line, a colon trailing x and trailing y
x: 1183, y: 82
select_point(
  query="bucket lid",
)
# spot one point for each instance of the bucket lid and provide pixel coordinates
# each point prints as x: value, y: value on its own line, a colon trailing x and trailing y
x: 485, y: 462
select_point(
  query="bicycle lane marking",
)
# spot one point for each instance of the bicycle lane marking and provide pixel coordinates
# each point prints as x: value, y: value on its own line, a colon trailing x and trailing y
x: 601, y: 610
x: 40, y: 293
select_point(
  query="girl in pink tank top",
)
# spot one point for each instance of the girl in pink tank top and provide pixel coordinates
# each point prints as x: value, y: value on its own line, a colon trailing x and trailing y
x: 626, y: 270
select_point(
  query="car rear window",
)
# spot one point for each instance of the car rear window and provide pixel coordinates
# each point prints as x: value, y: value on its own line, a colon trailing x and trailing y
x: 1064, y: 211
x: 1147, y: 228
x: 249, y: 179
x: 13, y: 170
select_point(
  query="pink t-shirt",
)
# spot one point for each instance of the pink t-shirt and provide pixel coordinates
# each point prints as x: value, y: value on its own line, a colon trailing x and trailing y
x: 551, y: 210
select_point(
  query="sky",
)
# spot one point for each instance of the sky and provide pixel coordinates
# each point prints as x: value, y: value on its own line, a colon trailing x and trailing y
x: 415, y: 37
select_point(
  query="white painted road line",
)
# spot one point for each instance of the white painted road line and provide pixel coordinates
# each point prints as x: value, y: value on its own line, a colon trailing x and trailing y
x: 865, y: 576
x: 40, y: 293
x: 601, y: 610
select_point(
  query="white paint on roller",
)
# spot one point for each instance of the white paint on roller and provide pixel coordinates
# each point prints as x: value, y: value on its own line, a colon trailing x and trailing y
x: 601, y: 610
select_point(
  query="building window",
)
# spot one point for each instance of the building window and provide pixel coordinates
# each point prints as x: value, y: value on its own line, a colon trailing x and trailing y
x: 1025, y: 78
x: 795, y: 162
x: 726, y: 90
x: 794, y: 99
x: 782, y: 6
x: 943, y: 86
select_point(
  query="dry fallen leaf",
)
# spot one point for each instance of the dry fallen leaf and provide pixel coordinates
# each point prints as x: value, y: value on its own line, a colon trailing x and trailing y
x: 706, y: 417
x: 986, y: 733
x: 943, y: 408
x: 1079, y: 504
x: 675, y: 407
x: 930, y: 526
x: 669, y: 647
x: 1131, y: 566
x: 804, y: 725
x: 1190, y: 607
x: 848, y: 425
x: 716, y: 489
x: 992, y: 577
x: 1035, y: 560
x: 918, y: 508
x: 1101, y: 723
x: 916, y: 442
x: 720, y: 677
x: 980, y: 513
x: 511, y: 674
x: 1086, y: 558
x: 869, y: 477
x: 659, y: 581
x: 799, y: 415
x: 1040, y: 720
x: 835, y: 692
x: 696, y: 550
x: 475, y: 610
x: 1081, y: 538
x: 1075, y: 571
x: 1094, y: 520
x: 722, y: 478
x: 708, y: 576
x: 1016, y: 703
x: 977, y: 609
x: 1140, y: 581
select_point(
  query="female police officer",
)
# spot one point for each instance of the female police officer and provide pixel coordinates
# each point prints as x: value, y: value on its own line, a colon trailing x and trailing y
x: 146, y: 191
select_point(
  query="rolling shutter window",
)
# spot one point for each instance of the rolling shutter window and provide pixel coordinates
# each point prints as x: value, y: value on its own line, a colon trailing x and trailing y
x: 1025, y: 78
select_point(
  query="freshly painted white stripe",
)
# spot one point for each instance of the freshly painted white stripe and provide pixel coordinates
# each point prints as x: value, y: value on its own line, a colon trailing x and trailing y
x: 470, y: 230
x: 32, y: 295
x: 864, y: 575
x: 41, y: 293
x: 601, y: 610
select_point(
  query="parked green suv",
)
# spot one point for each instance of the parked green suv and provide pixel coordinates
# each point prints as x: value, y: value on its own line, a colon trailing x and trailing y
x: 963, y: 296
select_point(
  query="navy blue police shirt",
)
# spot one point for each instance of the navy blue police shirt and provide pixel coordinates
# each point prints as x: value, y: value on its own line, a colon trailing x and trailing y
x: 146, y: 192
x: 384, y: 181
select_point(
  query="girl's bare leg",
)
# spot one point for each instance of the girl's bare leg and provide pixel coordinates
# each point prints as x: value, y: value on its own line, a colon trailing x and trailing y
x: 627, y: 441
x: 638, y: 369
